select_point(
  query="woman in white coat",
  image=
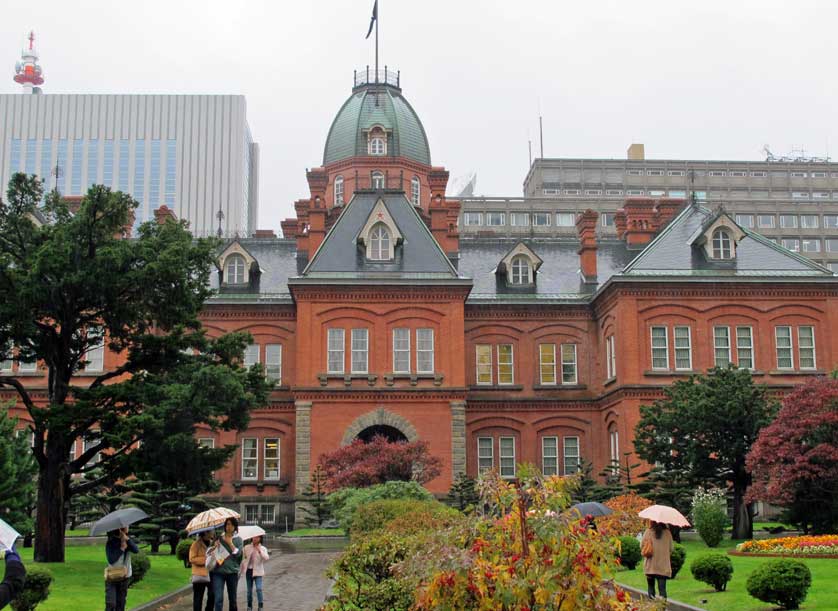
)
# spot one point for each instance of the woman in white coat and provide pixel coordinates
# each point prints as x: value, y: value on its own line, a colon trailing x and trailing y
x: 253, y: 569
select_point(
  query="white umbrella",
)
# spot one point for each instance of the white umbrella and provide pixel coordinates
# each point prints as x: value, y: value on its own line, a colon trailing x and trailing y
x: 209, y: 519
x: 118, y: 519
x: 664, y: 515
x: 248, y: 532
x: 8, y: 536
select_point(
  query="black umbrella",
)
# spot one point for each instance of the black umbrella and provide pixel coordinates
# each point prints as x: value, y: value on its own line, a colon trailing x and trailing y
x: 596, y: 510
x: 118, y: 519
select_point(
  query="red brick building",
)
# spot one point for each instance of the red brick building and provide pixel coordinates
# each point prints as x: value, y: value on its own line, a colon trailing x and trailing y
x: 372, y: 315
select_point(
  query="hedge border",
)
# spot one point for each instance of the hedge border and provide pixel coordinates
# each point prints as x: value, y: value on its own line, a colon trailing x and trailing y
x: 774, y: 555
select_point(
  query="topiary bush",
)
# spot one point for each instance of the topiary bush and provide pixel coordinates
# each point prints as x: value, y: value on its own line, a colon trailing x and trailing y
x: 182, y: 551
x: 140, y: 565
x: 709, y: 514
x: 713, y: 569
x: 35, y: 589
x: 379, y: 514
x: 629, y: 552
x: 677, y: 558
x: 345, y: 502
x: 783, y: 582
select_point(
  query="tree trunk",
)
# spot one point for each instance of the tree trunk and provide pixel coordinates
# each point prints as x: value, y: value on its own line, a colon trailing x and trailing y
x: 743, y: 524
x: 51, y: 515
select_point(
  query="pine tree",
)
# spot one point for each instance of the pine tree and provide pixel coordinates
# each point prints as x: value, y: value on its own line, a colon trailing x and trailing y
x: 463, y: 492
x: 314, y: 504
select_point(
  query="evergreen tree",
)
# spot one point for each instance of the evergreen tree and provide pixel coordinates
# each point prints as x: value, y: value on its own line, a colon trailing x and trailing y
x: 314, y: 504
x: 463, y: 492
x: 77, y: 280
x: 17, y: 476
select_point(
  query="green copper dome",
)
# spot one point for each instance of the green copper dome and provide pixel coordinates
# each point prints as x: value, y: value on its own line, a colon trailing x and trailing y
x: 377, y: 105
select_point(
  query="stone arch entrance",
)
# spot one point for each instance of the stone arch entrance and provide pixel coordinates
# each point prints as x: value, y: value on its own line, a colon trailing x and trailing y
x: 381, y: 420
x: 390, y: 433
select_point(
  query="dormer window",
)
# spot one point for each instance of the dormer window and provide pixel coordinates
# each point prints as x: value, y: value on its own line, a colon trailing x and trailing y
x: 377, y: 180
x: 377, y: 141
x: 234, y: 270
x: 722, y: 244
x: 339, y: 191
x: 521, y: 271
x: 377, y: 146
x: 379, y: 243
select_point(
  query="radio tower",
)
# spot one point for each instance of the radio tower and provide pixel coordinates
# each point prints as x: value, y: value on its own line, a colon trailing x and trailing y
x: 27, y: 70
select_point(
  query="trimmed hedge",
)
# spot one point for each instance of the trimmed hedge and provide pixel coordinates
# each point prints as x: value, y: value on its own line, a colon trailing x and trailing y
x: 35, y: 589
x: 140, y: 565
x: 375, y: 515
x: 713, y: 569
x: 182, y: 551
x: 629, y: 552
x: 782, y: 582
x: 677, y: 558
x: 345, y: 502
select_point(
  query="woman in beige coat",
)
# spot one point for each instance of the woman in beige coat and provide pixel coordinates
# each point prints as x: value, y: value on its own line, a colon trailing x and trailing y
x: 657, y: 567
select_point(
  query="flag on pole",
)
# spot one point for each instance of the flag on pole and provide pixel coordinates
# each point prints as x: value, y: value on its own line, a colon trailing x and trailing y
x: 373, y: 19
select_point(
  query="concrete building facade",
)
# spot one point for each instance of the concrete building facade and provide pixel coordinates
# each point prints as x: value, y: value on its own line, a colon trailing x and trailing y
x: 193, y: 153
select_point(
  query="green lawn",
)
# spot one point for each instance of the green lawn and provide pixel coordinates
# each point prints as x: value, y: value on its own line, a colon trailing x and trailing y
x: 79, y: 582
x: 823, y: 594
x: 315, y: 532
x: 78, y: 532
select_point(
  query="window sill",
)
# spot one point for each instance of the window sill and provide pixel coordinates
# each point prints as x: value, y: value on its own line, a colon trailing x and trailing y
x: 560, y: 387
x: 347, y: 378
x: 497, y: 387
x: 390, y: 378
x: 610, y: 381
x: 22, y: 374
x: 281, y: 484
x: 797, y: 372
x: 669, y: 373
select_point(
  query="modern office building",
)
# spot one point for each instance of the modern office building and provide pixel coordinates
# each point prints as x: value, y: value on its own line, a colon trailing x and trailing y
x: 193, y: 153
x: 792, y: 200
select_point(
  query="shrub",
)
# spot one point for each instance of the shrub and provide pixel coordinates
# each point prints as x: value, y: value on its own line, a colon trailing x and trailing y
x: 783, y: 582
x: 629, y: 552
x: 378, y: 514
x: 140, y: 565
x: 182, y: 551
x: 345, y: 502
x: 713, y: 569
x: 624, y: 521
x: 677, y: 558
x: 35, y: 589
x: 709, y: 514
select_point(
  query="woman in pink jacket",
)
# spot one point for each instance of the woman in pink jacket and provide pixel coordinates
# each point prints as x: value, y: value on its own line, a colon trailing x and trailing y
x: 253, y: 569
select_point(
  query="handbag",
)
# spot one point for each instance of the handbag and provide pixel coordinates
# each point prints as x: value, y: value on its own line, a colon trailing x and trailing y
x: 200, y: 579
x: 647, y: 550
x: 117, y: 572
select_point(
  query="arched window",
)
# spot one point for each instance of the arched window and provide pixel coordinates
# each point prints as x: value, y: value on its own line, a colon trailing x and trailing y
x: 338, y: 190
x: 722, y: 245
x: 234, y: 270
x: 377, y: 145
x: 377, y: 180
x: 379, y: 243
x: 415, y: 190
x: 520, y: 270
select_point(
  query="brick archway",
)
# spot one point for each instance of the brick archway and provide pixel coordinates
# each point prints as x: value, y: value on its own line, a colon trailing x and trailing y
x: 379, y: 417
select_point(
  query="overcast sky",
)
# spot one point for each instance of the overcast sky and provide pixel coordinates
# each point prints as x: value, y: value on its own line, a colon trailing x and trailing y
x: 708, y: 79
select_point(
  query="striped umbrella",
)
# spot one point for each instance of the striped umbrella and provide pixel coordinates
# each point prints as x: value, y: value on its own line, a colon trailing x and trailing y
x: 210, y: 519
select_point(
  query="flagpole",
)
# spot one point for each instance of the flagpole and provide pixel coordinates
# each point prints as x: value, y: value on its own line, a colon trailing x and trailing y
x: 377, y: 19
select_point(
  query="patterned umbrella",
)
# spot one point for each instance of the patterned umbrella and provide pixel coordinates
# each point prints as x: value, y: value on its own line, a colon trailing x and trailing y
x: 664, y: 515
x: 209, y: 519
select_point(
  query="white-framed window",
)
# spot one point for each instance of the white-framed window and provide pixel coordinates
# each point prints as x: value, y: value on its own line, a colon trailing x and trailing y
x: 811, y: 245
x: 377, y: 180
x: 520, y: 270
x: 785, y: 359
x: 793, y: 244
x: 721, y: 346
x: 660, y: 348
x: 683, y: 348
x: 505, y: 364
x: 27, y: 366
x: 565, y: 219
x: 550, y: 455
x: 7, y: 362
x: 820, y: 195
x: 806, y: 347
x: 507, y: 456
x: 677, y: 193
x: 377, y: 145
x: 338, y: 190
x: 818, y: 174
x: 271, y: 465
x: 745, y: 347
x: 424, y: 350
x: 656, y: 193
x: 251, y: 514
x: 485, y: 454
x: 401, y: 350
x: 607, y: 219
x: 379, y: 243
x: 234, y: 270
x: 519, y: 219
x: 800, y: 195
x: 206, y: 442
x: 593, y: 191
x: 250, y: 458
x: 676, y: 172
x: 759, y: 174
x: 267, y: 514
x: 613, y: 191
x: 809, y: 221
x: 91, y: 440
x: 610, y: 358
x: 415, y: 190
x: 718, y: 173
x: 654, y: 172
x: 473, y: 219
x: 495, y: 219
x: 360, y: 350
x: 634, y: 172
x: 738, y: 173
x: 633, y: 192
x: 745, y: 220
x: 550, y: 191
x: 547, y: 363
x: 614, y: 446
x: 788, y: 221
x: 572, y: 192
x: 95, y: 355
x: 273, y: 363
x: 334, y: 348
x: 722, y: 244
x: 541, y: 219
x: 569, y: 374
x: 571, y: 455
x: 483, y: 359
x: 798, y: 174
x: 251, y: 355
x: 831, y: 244
x: 766, y: 221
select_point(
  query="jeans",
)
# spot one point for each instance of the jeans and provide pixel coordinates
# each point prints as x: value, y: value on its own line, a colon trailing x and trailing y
x: 251, y: 580
x: 116, y: 592
x: 198, y: 590
x: 650, y: 584
x: 219, y: 582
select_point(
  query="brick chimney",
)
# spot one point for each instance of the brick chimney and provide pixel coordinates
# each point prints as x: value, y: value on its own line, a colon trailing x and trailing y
x: 318, y: 181
x: 73, y: 203
x: 667, y: 209
x: 289, y: 228
x: 264, y: 233
x: 586, y: 228
x: 163, y: 214
x: 621, y: 222
x: 641, y: 221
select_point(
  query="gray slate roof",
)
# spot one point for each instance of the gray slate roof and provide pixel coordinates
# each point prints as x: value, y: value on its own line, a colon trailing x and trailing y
x: 277, y: 262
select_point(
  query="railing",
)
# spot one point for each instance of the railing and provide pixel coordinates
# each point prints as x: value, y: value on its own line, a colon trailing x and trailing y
x: 366, y: 76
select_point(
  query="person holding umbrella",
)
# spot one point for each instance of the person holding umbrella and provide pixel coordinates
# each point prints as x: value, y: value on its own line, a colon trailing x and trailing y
x: 118, y: 551
x: 253, y: 566
x: 226, y: 554
x: 657, y: 545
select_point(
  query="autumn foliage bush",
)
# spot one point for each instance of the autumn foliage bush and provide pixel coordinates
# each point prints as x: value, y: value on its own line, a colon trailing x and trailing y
x: 417, y: 514
x: 624, y: 520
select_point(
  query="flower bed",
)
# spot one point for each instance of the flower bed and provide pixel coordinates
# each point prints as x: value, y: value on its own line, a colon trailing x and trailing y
x: 821, y: 546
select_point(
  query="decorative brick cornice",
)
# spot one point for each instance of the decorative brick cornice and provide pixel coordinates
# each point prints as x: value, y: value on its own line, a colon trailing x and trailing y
x: 528, y: 311
x: 382, y: 394
x: 404, y: 294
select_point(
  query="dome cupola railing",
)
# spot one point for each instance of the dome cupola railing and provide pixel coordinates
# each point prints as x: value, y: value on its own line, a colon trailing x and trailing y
x: 365, y: 77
